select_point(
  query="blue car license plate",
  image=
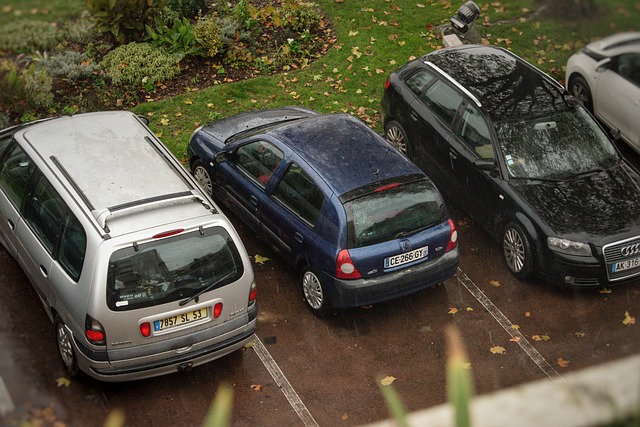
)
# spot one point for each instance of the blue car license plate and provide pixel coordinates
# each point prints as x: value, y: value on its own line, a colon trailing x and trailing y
x: 406, y: 257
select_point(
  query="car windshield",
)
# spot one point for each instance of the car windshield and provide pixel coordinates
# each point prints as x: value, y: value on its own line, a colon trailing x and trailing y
x: 392, y: 211
x: 170, y: 269
x: 560, y: 146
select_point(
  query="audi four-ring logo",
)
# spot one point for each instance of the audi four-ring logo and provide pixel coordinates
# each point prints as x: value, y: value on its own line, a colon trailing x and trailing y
x: 630, y: 250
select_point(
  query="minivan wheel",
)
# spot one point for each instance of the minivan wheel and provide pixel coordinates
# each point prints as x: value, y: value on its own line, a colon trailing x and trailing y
x: 517, y: 250
x: 65, y: 348
x: 314, y: 293
x: 202, y: 176
x: 579, y: 88
x: 396, y: 136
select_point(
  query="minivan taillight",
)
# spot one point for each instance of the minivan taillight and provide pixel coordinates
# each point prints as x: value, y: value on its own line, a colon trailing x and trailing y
x: 253, y: 293
x: 94, y: 331
x: 453, y: 236
x: 345, y: 269
x: 217, y: 310
x: 145, y: 329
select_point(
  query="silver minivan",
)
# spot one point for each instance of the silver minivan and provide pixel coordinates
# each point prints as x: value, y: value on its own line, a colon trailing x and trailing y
x: 139, y: 271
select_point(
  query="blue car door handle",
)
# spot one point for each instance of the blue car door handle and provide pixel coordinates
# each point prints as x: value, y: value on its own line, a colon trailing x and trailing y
x: 253, y: 200
x: 299, y: 238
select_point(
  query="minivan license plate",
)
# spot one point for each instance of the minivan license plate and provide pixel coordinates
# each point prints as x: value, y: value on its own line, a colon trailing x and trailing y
x: 406, y: 257
x: 181, y: 319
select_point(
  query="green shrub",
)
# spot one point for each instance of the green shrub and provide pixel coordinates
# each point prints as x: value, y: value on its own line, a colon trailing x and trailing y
x: 188, y: 8
x: 70, y: 64
x: 29, y: 91
x: 29, y: 35
x: 302, y: 16
x: 179, y: 39
x: 81, y: 31
x: 131, y: 63
x: 124, y: 20
x: 238, y: 56
x: 4, y: 121
x: 208, y: 35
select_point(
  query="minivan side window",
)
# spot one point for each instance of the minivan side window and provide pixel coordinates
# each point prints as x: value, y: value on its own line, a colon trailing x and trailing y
x: 15, y: 171
x: 44, y: 212
x: 73, y: 246
x: 299, y: 193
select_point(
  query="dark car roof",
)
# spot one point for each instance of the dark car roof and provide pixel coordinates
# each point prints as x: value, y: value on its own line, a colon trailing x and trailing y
x: 507, y: 87
x: 343, y: 150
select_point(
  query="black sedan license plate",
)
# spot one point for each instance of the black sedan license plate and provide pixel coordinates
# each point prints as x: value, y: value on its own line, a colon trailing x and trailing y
x: 625, y: 265
x: 406, y: 257
x: 181, y: 319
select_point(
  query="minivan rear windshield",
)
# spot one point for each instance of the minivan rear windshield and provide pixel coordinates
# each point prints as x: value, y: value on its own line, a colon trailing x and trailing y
x: 393, y: 211
x: 171, y: 269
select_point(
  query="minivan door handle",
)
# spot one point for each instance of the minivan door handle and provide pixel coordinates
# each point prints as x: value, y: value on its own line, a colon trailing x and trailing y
x: 44, y: 271
x: 12, y: 226
x: 299, y: 237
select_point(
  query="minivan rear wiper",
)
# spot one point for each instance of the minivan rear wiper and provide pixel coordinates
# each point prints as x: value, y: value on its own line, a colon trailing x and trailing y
x: 202, y: 291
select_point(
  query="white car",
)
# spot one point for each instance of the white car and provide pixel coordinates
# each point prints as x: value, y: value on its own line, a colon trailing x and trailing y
x: 605, y: 77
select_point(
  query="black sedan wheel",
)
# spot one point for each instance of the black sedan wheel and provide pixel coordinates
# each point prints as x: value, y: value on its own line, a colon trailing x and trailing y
x: 396, y: 136
x: 314, y: 292
x: 202, y: 176
x: 580, y: 90
x: 518, y: 252
x: 65, y: 348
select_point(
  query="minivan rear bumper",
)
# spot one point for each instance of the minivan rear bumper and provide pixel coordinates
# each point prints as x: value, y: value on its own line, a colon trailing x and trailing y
x: 179, y: 362
x: 355, y: 293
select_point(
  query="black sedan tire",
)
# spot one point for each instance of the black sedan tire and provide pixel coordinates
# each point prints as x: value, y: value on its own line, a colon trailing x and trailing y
x: 396, y: 136
x: 314, y: 292
x: 580, y: 90
x: 202, y: 176
x: 65, y: 347
x: 517, y: 250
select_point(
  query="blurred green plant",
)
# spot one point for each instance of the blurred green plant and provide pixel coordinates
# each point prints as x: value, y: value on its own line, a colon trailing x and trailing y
x: 124, y: 20
x: 131, y: 63
x: 179, y: 39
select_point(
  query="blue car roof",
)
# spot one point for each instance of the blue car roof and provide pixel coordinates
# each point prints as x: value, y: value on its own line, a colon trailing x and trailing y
x: 343, y: 150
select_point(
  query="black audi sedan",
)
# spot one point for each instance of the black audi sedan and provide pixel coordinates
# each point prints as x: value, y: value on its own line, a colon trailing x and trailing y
x: 513, y: 149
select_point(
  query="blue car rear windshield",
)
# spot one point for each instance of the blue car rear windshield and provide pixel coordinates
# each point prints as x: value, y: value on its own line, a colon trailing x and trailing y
x: 171, y: 269
x: 393, y: 210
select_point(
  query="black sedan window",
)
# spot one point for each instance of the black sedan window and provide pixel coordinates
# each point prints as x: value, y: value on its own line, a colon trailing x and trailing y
x: 418, y: 81
x: 443, y: 101
x: 475, y: 133
x: 563, y: 145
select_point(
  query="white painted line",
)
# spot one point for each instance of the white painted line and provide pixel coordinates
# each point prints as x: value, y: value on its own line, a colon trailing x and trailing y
x: 508, y: 326
x: 6, y: 404
x: 283, y: 382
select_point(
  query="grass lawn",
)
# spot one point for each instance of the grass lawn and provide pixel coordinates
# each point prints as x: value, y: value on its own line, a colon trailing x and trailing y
x: 373, y: 38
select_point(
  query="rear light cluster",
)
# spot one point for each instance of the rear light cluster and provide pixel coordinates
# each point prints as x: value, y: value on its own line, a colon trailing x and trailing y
x: 453, y: 236
x: 345, y: 269
x: 253, y: 293
x: 94, y: 331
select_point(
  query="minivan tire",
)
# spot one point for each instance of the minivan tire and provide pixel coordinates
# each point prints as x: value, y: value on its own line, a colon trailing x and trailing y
x: 518, y: 251
x: 314, y: 292
x: 65, y: 347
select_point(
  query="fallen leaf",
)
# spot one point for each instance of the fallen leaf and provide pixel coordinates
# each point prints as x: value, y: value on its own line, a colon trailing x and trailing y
x: 580, y: 334
x: 259, y: 259
x: 628, y: 319
x: 188, y: 102
x: 344, y: 417
x: 353, y: 33
x: 63, y: 382
x: 452, y: 310
x: 388, y: 380
x: 540, y: 337
x: 605, y: 291
x: 516, y: 327
x: 494, y: 283
x: 256, y: 387
x: 498, y: 350
x: 527, y: 314
x: 563, y: 363
x: 469, y: 309
x: 515, y: 339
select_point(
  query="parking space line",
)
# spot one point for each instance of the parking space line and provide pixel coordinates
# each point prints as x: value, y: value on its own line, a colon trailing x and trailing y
x: 283, y: 382
x: 506, y: 324
x: 6, y: 404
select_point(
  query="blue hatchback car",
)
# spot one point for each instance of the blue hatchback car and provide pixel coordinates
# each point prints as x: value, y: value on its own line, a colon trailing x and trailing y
x: 360, y: 222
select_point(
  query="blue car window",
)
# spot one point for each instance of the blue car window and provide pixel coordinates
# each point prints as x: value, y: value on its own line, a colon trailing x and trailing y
x: 300, y: 194
x: 258, y: 159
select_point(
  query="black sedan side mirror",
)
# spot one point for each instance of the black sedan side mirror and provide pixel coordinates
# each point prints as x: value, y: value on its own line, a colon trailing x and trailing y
x: 488, y: 165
